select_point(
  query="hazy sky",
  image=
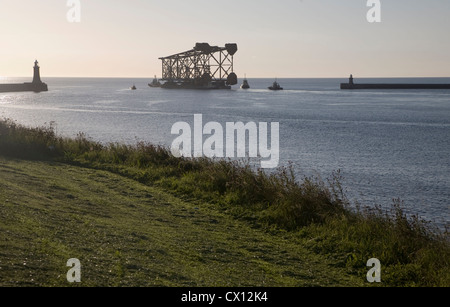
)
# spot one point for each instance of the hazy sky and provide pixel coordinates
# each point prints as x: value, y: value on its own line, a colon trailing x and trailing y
x: 284, y: 38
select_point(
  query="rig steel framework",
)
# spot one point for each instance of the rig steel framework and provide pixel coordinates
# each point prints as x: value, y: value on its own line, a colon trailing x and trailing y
x: 203, y: 67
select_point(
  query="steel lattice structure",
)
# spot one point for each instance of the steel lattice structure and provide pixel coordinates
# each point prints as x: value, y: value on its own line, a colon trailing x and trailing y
x: 204, y: 66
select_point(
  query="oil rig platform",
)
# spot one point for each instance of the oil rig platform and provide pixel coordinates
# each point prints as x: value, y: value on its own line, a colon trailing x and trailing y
x: 203, y: 67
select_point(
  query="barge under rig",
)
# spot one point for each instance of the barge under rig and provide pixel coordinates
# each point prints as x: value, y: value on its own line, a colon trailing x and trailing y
x: 203, y: 67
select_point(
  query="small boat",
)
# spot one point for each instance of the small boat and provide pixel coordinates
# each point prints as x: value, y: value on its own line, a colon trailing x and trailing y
x: 133, y: 87
x: 245, y: 84
x: 275, y: 86
x: 155, y: 83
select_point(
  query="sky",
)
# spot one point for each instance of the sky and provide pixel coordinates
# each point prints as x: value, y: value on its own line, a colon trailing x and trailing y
x: 284, y: 38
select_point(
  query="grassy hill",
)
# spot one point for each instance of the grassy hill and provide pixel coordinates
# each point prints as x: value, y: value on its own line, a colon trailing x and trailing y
x: 136, y: 216
x: 129, y: 234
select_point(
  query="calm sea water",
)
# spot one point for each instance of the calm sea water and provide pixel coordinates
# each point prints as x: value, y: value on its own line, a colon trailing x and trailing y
x: 388, y: 144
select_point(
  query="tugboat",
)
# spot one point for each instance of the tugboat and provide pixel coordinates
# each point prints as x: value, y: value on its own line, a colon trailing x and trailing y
x: 245, y: 84
x: 133, y: 87
x: 155, y: 83
x: 275, y: 86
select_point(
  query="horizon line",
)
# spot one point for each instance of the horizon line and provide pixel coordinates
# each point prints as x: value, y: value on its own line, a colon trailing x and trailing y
x: 152, y: 77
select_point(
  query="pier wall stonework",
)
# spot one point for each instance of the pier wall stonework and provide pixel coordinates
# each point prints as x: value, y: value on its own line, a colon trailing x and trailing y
x: 353, y: 86
x: 23, y: 87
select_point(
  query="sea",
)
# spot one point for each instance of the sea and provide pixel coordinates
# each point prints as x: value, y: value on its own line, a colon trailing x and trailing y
x: 386, y: 144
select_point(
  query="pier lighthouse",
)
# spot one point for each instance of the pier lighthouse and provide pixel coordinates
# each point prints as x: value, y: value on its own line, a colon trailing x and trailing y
x: 36, y: 75
x: 36, y: 86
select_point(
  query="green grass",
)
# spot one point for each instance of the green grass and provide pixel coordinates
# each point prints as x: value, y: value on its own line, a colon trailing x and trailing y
x: 135, y: 215
x: 129, y: 234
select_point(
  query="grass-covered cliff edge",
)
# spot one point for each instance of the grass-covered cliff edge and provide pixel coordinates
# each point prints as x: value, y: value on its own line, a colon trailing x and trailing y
x: 137, y: 216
